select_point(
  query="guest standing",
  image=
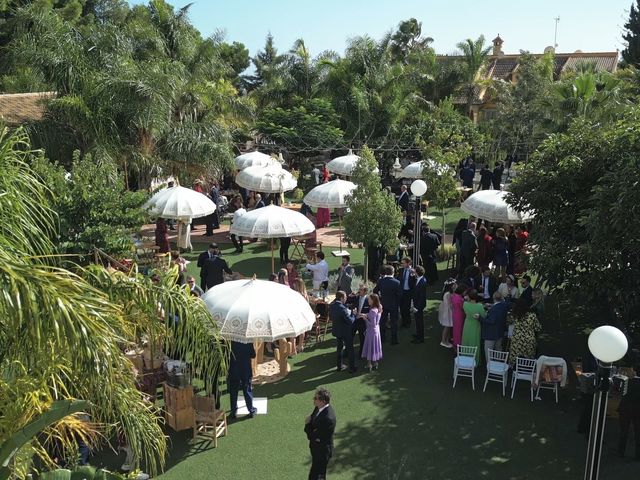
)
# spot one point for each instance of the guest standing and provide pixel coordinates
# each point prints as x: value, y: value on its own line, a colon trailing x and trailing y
x: 419, y: 303
x: 360, y: 305
x: 320, y: 271
x: 342, y: 321
x: 494, y: 324
x: 500, y: 252
x: 319, y: 427
x: 526, y: 326
x: 238, y: 212
x: 372, y: 349
x: 471, y: 335
x: 162, y: 236
x: 240, y: 375
x: 407, y: 277
x: 285, y: 243
x: 390, y: 293
x: 457, y: 314
x: 485, y: 247
x: 445, y: 312
x: 345, y: 275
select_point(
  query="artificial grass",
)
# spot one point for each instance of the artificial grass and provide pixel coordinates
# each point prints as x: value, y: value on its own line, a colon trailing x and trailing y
x: 404, y: 421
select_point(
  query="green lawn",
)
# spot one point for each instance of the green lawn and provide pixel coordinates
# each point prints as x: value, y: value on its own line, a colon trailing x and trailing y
x: 404, y: 421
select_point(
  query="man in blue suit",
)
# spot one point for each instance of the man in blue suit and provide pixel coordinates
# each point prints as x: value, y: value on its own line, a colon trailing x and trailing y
x: 359, y: 304
x: 342, y: 321
x: 240, y: 375
x: 494, y: 324
x: 420, y: 303
x: 390, y: 293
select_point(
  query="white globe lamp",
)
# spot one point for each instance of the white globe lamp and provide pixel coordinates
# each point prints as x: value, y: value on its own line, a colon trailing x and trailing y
x: 608, y: 344
x: 419, y: 188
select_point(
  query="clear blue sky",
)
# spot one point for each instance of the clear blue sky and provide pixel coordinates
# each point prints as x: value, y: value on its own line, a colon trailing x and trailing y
x: 588, y: 25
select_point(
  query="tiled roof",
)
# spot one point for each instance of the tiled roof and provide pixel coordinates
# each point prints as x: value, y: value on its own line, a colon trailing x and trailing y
x: 501, y: 68
x: 18, y: 108
x: 601, y: 62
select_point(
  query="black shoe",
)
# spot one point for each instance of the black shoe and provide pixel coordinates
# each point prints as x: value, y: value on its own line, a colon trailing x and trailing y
x: 253, y: 412
x: 233, y: 416
x: 417, y: 340
x: 353, y: 370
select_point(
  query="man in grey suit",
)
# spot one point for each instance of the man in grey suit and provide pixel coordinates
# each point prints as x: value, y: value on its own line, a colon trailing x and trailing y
x: 345, y: 275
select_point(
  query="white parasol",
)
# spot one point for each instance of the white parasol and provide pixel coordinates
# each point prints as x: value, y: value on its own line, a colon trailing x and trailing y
x: 491, y: 205
x: 254, y: 310
x: 332, y: 194
x: 181, y: 203
x: 272, y: 222
x: 253, y: 159
x: 270, y: 179
x: 344, y: 165
x: 416, y: 169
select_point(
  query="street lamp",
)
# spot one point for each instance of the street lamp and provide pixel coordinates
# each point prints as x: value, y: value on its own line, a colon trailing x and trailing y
x: 608, y: 345
x: 418, y: 188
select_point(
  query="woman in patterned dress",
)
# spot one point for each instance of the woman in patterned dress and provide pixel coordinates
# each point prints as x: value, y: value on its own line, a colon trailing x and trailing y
x: 526, y: 326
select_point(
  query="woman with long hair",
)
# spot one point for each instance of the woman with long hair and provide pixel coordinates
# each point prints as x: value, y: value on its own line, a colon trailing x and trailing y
x: 525, y: 329
x: 372, y: 348
x: 485, y: 248
x: 282, y: 277
x: 292, y: 275
x: 445, y: 312
x: 457, y: 314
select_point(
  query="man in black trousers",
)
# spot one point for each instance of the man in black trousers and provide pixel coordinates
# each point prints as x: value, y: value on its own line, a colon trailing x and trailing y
x: 390, y: 293
x: 342, y: 321
x: 407, y: 277
x: 319, y: 427
x: 212, y: 268
x: 420, y: 303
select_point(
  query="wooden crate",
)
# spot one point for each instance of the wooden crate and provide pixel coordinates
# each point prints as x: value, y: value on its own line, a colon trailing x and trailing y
x: 179, y: 413
x: 177, y: 398
x: 181, y: 419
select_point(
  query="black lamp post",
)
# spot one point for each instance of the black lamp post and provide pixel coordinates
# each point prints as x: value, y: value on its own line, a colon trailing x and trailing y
x: 418, y: 188
x: 608, y: 345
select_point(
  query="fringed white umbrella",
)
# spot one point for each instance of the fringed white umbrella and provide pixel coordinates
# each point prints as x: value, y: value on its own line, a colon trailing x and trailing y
x: 332, y: 194
x: 269, y: 179
x: 253, y: 159
x: 491, y: 205
x: 272, y: 222
x: 344, y: 165
x: 180, y: 203
x: 258, y: 310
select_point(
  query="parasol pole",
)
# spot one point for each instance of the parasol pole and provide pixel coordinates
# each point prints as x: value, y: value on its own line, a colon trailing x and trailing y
x: 340, y: 226
x: 272, y: 261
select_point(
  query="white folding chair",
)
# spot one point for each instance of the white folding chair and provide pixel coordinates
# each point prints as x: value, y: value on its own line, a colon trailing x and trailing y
x: 525, y: 369
x: 464, y: 365
x: 547, y: 386
x: 497, y: 369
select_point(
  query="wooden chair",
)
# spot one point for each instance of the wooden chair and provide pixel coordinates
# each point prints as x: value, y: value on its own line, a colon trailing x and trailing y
x: 208, y: 420
x: 321, y: 326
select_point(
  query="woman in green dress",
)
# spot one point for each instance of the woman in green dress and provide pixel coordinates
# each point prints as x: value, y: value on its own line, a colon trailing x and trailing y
x: 526, y: 327
x: 471, y: 333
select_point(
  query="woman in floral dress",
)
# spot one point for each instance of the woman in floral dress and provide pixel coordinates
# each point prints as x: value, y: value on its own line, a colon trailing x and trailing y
x: 526, y: 327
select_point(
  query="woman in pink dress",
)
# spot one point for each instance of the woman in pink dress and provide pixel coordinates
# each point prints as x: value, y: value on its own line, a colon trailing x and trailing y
x: 372, y: 347
x: 457, y: 315
x: 323, y: 215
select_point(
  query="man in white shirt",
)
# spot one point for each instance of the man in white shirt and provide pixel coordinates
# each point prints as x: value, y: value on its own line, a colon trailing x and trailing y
x: 320, y: 271
x: 239, y: 211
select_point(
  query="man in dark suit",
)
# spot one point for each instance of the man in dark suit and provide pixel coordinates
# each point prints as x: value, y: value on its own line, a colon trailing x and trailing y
x: 496, y: 177
x: 342, y: 321
x: 213, y: 270
x: 527, y: 291
x: 429, y: 243
x: 390, y: 293
x: 407, y: 278
x: 213, y: 221
x: 488, y: 286
x: 259, y: 202
x: 469, y: 246
x: 360, y: 305
x: 207, y: 254
x: 486, y: 176
x: 240, y: 375
x: 420, y: 303
x: 319, y: 427
x: 403, y: 199
x: 345, y: 275
x: 466, y: 175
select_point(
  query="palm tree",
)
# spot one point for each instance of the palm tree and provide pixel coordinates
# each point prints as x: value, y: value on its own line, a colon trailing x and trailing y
x: 474, y: 57
x: 62, y: 332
